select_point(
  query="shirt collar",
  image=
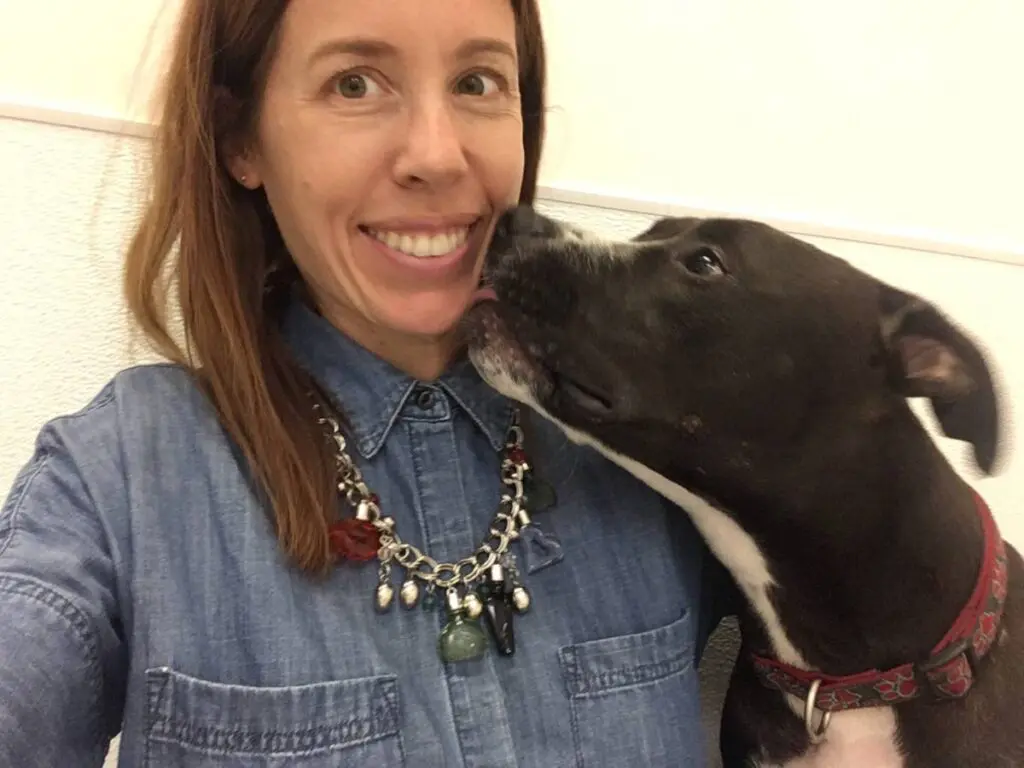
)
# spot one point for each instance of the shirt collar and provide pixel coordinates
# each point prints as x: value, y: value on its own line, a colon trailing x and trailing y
x: 372, y: 392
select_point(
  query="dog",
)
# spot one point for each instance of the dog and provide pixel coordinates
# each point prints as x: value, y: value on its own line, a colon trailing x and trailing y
x: 762, y: 385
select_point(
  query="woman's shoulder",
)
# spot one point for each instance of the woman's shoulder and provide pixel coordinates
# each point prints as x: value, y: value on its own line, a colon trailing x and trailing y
x: 139, y: 428
x: 136, y: 399
x: 137, y: 407
x: 156, y: 388
x: 128, y: 451
x: 577, y: 458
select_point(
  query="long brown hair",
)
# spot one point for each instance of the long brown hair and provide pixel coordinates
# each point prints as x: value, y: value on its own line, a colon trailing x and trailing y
x: 210, y: 249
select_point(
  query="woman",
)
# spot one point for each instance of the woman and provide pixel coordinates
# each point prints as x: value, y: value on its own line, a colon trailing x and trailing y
x: 176, y: 560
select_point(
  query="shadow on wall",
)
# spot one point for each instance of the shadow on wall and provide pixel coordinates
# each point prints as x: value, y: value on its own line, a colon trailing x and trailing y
x: 715, y: 669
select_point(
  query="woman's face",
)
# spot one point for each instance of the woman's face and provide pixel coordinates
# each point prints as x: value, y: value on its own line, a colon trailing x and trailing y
x: 389, y: 140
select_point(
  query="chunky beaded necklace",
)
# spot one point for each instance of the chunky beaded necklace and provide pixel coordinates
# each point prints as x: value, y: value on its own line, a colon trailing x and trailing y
x: 485, y: 583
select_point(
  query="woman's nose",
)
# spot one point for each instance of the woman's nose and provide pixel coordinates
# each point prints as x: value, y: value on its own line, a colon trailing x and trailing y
x: 434, y: 153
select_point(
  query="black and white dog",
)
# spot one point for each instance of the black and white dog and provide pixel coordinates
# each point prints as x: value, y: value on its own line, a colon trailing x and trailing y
x: 762, y: 385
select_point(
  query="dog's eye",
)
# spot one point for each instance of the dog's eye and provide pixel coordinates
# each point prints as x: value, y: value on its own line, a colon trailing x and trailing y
x: 705, y: 262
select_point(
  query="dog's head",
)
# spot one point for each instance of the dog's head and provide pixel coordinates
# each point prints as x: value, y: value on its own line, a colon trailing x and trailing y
x: 715, y: 348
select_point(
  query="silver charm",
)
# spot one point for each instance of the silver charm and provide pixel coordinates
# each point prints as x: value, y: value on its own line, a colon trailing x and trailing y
x: 472, y: 605
x: 453, y: 601
x: 363, y: 510
x: 520, y: 598
x: 410, y: 593
x: 385, y: 594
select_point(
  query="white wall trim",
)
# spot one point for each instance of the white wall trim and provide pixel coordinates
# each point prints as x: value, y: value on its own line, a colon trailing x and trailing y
x: 893, y: 239
x: 599, y: 198
x: 73, y: 119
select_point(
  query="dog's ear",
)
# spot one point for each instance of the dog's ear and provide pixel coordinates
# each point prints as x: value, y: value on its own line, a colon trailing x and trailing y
x: 929, y: 357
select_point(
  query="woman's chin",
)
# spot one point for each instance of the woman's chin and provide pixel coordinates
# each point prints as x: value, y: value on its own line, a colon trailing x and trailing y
x: 434, y: 316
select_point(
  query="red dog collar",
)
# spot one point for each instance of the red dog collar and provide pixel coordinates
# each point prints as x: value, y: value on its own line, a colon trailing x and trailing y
x: 950, y: 671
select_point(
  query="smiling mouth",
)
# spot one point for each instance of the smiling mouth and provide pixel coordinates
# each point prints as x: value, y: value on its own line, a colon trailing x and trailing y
x: 423, y: 245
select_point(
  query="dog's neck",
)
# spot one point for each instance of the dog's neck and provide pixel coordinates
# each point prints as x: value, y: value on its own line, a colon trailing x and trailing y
x: 873, y: 553
x: 860, y: 558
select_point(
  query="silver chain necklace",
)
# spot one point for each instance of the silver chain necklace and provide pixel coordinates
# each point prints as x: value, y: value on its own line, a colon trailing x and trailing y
x: 485, y: 583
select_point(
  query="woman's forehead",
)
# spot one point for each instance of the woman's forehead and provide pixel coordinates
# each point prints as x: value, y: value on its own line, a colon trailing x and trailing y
x: 311, y: 26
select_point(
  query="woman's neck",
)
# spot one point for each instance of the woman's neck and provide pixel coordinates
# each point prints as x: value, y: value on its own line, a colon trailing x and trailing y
x: 424, y: 358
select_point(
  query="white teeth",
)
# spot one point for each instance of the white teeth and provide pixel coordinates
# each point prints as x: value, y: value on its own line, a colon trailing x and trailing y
x: 423, y: 246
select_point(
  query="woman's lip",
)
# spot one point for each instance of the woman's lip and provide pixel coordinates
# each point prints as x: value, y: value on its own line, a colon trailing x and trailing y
x: 425, y: 225
x: 433, y: 265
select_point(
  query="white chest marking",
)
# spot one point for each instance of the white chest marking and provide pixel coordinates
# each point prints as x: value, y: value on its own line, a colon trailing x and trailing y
x: 860, y: 738
x: 856, y: 739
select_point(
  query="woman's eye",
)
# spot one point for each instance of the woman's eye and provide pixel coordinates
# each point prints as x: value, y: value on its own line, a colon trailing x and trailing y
x: 355, y: 85
x: 478, y: 84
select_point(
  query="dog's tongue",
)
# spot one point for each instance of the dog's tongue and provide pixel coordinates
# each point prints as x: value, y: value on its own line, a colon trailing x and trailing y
x: 482, y: 294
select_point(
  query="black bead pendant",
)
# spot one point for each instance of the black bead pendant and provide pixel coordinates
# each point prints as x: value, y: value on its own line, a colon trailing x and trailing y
x: 499, y: 611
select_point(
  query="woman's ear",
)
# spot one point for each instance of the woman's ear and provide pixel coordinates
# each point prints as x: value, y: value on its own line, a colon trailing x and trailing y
x: 242, y: 168
x: 234, y: 145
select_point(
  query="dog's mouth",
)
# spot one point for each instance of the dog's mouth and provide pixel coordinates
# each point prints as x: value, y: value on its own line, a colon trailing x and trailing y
x: 583, y: 396
x: 519, y: 368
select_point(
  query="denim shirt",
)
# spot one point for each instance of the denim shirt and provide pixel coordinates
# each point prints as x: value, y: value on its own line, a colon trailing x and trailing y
x: 142, y: 590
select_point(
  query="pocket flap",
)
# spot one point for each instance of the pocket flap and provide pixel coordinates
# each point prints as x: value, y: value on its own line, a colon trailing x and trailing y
x: 628, y: 660
x: 269, y: 720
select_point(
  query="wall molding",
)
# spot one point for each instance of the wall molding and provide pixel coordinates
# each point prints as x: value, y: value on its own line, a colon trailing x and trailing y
x: 810, y: 228
x: 599, y: 198
x: 85, y: 121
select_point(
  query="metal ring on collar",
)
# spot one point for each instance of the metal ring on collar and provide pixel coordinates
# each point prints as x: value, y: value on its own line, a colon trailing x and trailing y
x: 815, y: 732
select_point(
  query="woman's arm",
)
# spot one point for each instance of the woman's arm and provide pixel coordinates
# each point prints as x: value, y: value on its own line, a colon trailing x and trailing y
x: 62, y: 653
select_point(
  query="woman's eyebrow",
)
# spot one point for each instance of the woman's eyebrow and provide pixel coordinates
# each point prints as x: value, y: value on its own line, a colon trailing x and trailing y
x: 373, y: 48
x: 478, y: 45
x: 364, y: 47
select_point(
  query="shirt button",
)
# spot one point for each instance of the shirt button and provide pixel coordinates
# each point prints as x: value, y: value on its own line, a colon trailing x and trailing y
x: 425, y: 399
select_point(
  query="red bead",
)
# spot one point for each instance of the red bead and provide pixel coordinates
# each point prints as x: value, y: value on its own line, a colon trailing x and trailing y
x: 375, y: 499
x: 354, y: 539
x: 517, y: 455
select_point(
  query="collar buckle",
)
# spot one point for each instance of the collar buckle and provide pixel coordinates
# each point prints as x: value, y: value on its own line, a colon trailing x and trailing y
x: 950, y: 673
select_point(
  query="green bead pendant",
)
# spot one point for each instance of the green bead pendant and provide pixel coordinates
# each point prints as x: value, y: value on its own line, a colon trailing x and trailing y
x: 429, y: 601
x: 461, y: 639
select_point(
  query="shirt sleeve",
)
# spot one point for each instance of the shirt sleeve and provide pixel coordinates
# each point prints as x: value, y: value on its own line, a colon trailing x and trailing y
x: 62, y: 655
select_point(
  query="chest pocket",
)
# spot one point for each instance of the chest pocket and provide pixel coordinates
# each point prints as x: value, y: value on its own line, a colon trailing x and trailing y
x: 634, y: 699
x: 200, y: 724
